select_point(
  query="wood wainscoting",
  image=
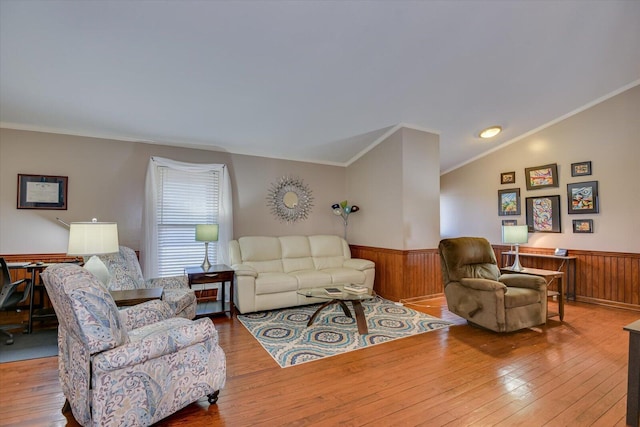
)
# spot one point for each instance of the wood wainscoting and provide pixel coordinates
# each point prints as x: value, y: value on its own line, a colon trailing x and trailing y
x: 606, y: 278
x: 402, y: 275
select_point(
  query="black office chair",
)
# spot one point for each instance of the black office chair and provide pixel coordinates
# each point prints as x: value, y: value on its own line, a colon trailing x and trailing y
x: 10, y: 298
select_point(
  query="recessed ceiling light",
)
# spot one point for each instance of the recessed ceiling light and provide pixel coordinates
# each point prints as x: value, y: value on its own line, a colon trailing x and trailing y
x: 490, y: 132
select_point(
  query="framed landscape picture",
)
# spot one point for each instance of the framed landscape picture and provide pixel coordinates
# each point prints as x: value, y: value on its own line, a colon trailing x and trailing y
x: 583, y: 197
x: 543, y: 214
x: 509, y: 222
x: 541, y: 176
x: 509, y: 202
x: 583, y: 226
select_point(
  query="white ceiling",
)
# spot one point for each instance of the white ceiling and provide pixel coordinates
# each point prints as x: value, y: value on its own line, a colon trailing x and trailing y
x: 318, y: 81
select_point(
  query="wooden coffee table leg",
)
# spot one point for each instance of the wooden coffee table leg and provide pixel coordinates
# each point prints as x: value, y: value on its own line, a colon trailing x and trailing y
x: 360, y: 319
x: 310, y: 322
x: 346, y: 310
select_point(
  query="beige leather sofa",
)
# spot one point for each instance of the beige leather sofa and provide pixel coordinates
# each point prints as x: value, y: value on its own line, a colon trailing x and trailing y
x: 269, y: 271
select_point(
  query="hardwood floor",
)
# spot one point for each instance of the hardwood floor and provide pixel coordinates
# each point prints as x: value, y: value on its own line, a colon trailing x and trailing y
x: 563, y: 374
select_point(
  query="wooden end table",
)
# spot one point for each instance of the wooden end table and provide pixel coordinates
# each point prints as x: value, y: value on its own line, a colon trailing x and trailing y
x: 218, y: 273
x: 548, y: 276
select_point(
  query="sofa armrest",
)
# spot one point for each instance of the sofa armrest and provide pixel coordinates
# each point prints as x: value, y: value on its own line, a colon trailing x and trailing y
x: 157, y: 344
x: 523, y: 281
x: 482, y: 284
x: 244, y: 270
x: 359, y: 264
x: 145, y: 314
x: 172, y: 282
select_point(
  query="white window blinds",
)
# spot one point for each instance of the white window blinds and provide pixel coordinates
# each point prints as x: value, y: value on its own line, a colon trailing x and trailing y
x: 185, y: 198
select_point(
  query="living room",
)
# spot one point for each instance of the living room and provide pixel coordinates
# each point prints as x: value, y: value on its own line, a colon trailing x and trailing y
x: 408, y: 203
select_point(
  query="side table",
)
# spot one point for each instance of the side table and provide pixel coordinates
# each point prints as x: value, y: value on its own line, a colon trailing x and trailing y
x: 548, y: 276
x: 218, y: 273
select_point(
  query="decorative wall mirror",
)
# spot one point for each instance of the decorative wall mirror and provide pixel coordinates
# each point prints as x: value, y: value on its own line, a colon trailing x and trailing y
x: 290, y: 199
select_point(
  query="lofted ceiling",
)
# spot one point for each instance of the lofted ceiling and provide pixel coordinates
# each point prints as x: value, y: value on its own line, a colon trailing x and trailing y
x: 319, y: 81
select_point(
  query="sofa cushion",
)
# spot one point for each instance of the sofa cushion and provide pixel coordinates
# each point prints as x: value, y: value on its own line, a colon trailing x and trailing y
x: 295, y: 247
x: 271, y: 282
x: 311, y: 278
x: 341, y: 276
x: 273, y: 266
x: 259, y: 248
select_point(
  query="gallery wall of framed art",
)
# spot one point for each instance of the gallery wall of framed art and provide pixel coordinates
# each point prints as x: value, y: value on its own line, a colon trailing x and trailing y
x: 543, y: 214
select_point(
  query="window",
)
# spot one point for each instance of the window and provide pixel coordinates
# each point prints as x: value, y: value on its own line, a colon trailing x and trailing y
x: 184, y: 199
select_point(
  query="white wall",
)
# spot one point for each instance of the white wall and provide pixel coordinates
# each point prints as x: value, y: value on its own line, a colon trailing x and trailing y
x: 397, y: 186
x: 607, y: 134
x: 106, y: 180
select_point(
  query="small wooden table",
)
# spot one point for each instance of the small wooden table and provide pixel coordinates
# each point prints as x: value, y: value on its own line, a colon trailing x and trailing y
x: 218, y: 273
x: 633, y: 380
x: 567, y: 265
x: 135, y: 296
x: 548, y: 276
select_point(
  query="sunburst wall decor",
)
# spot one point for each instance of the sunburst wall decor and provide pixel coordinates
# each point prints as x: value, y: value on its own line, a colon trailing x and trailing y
x: 290, y: 199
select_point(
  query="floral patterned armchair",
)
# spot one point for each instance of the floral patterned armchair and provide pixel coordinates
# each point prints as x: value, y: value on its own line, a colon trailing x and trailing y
x: 126, y: 274
x: 133, y: 366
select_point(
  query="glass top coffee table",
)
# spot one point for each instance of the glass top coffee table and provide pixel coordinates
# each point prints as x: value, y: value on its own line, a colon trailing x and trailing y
x: 341, y: 298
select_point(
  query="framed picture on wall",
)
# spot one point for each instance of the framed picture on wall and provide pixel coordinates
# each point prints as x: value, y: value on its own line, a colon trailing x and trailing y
x: 583, y: 197
x: 541, y: 176
x: 509, y: 202
x: 581, y: 169
x: 508, y: 178
x: 543, y: 214
x: 509, y: 222
x: 42, y: 192
x: 583, y: 226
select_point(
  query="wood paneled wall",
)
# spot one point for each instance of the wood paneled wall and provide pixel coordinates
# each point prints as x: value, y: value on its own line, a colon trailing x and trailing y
x: 608, y: 278
x: 403, y: 274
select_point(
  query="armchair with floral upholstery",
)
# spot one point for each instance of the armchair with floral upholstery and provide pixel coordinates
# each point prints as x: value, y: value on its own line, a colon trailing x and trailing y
x: 125, y: 272
x: 133, y: 366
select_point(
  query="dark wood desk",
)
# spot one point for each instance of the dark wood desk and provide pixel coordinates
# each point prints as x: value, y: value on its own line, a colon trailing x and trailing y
x: 218, y: 273
x: 548, y: 276
x: 135, y: 296
x: 633, y: 381
x: 568, y: 261
x: 34, y: 270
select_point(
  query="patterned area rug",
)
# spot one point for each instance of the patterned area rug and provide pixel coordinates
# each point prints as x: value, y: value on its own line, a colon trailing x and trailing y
x: 285, y: 335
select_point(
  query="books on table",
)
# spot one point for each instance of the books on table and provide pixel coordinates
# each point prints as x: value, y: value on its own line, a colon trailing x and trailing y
x: 333, y: 291
x: 356, y: 289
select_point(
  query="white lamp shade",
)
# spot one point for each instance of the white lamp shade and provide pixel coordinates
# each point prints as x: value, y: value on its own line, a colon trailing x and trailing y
x: 93, y: 238
x: 515, y: 234
x: 207, y: 232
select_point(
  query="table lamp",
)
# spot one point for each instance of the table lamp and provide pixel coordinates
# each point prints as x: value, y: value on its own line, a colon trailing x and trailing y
x: 514, y: 235
x: 91, y: 239
x: 206, y: 233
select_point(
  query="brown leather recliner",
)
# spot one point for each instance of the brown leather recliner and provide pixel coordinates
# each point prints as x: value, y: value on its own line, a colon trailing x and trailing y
x: 476, y: 291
